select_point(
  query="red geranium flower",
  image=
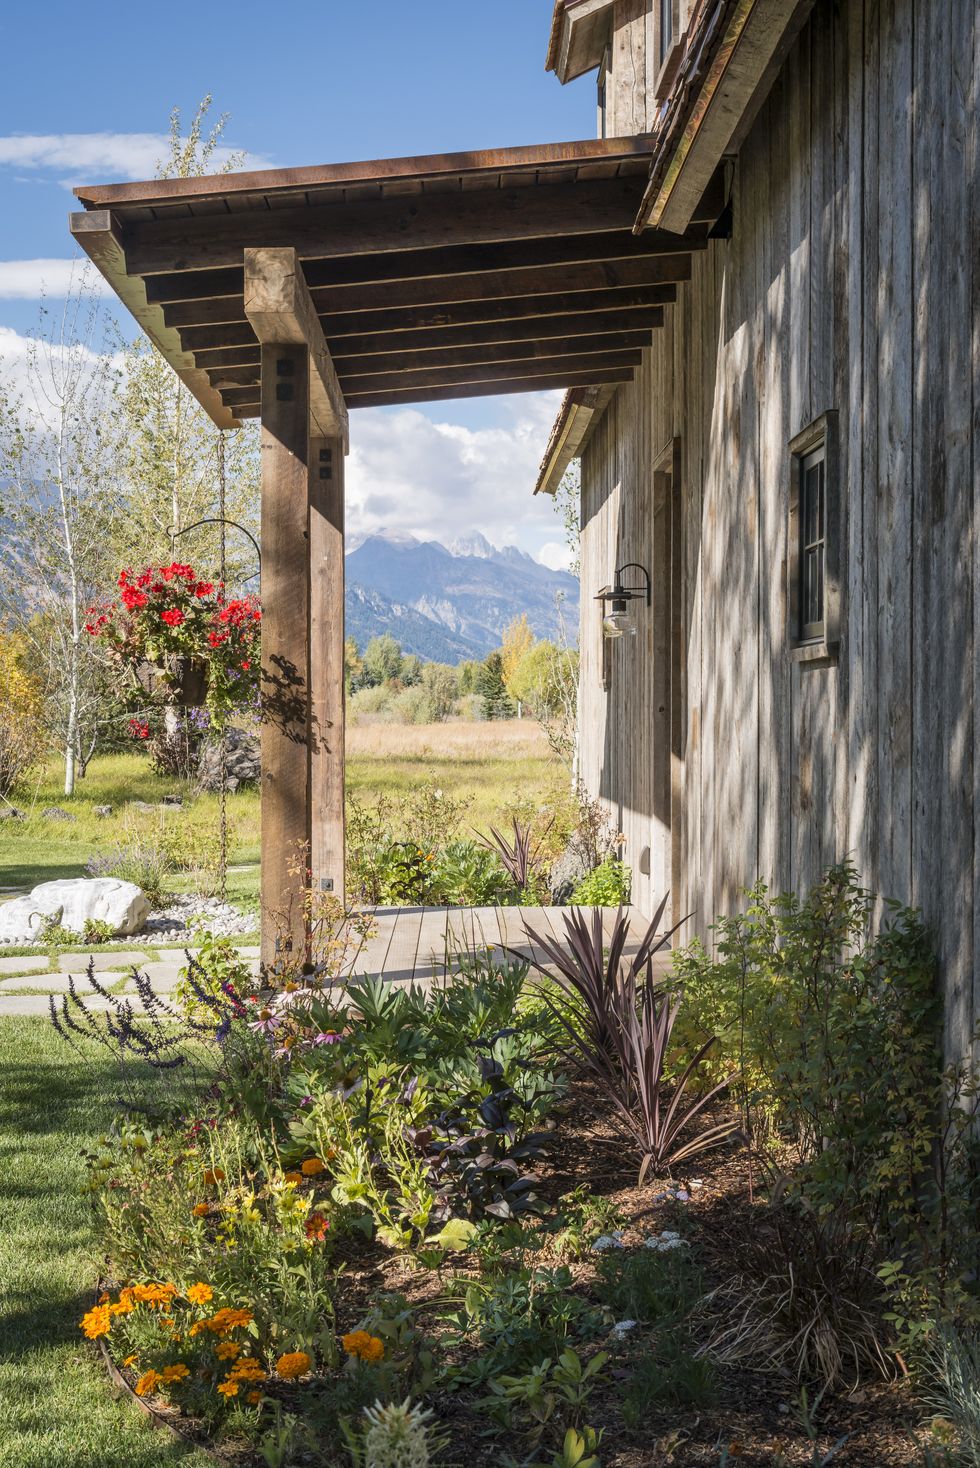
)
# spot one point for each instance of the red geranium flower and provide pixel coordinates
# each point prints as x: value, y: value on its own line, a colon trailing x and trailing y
x: 173, y: 616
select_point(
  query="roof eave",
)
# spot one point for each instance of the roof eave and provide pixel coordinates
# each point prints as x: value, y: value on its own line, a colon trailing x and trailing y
x: 580, y: 411
x: 580, y: 32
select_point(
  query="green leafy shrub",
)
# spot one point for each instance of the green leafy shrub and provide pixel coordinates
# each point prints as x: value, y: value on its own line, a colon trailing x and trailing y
x: 607, y: 886
x: 96, y: 931
x: 218, y: 970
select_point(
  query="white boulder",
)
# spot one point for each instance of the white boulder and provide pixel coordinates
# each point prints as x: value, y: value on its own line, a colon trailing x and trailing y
x: 73, y: 903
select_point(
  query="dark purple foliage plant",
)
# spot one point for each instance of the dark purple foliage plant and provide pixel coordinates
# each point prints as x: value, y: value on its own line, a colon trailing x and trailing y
x: 621, y: 1037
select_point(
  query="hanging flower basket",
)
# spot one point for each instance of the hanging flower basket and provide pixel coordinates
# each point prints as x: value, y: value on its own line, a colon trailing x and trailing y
x: 184, y: 641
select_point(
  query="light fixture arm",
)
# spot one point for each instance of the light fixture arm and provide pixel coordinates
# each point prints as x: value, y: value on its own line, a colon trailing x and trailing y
x: 634, y: 591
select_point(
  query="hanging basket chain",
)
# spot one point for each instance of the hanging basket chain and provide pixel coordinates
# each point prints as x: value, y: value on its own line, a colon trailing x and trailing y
x: 223, y: 751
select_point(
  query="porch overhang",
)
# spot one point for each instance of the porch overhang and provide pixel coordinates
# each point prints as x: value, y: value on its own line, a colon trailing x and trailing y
x: 432, y: 278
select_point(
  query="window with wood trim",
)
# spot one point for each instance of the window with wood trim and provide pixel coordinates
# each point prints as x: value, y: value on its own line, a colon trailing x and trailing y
x: 814, y: 541
x: 813, y: 544
x: 668, y: 43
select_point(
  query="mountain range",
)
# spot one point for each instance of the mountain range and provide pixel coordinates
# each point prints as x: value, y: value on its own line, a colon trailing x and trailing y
x: 447, y: 604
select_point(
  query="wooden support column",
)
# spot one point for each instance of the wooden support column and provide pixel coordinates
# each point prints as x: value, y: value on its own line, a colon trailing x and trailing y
x: 304, y: 431
x: 327, y: 723
x: 285, y: 646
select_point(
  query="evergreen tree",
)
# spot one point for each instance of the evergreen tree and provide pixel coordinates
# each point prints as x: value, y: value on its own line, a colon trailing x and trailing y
x: 497, y: 703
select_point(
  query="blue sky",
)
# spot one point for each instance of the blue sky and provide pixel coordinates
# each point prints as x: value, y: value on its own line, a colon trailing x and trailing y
x: 303, y: 83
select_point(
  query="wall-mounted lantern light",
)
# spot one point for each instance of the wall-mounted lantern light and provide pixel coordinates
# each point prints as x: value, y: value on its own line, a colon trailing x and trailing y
x: 618, y: 622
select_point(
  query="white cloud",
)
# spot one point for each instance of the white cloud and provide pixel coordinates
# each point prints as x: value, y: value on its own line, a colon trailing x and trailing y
x: 555, y: 555
x: 97, y: 157
x: 29, y: 280
x: 440, y: 480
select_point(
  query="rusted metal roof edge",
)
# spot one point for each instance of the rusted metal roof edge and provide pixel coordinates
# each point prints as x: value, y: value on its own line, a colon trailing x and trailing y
x: 380, y: 171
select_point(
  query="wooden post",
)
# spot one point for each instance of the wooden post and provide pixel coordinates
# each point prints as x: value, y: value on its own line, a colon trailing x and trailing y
x: 285, y: 645
x: 304, y: 439
x: 326, y: 497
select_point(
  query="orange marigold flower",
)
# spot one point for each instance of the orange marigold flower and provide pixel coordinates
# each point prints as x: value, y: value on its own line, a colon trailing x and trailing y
x: 293, y: 1176
x: 254, y: 1396
x: 228, y: 1388
x: 293, y: 1364
x: 96, y: 1322
x: 201, y: 1210
x: 200, y: 1294
x: 313, y: 1167
x: 147, y: 1383
x: 214, y: 1175
x: 104, y: 1298
x: 361, y: 1344
x: 124, y: 1304
x: 177, y: 1372
x: 247, y: 1369
x: 131, y: 1360
x: 227, y: 1351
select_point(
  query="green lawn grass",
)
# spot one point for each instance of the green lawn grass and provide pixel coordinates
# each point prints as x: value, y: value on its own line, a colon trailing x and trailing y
x: 490, y: 766
x: 56, y: 1406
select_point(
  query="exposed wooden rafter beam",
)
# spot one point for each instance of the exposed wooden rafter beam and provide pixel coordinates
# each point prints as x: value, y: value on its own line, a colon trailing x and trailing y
x: 394, y: 398
x: 535, y: 283
x: 451, y: 260
x: 456, y: 360
x: 201, y: 242
x: 537, y: 329
x: 98, y: 235
x: 551, y: 311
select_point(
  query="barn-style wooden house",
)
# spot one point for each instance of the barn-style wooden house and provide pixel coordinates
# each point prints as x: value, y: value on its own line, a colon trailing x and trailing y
x: 759, y: 286
x: 794, y: 462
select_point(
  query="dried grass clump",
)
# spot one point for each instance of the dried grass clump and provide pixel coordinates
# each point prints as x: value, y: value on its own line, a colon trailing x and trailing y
x: 805, y: 1302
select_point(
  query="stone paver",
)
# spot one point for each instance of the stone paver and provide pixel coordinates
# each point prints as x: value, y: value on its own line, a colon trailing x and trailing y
x: 24, y: 965
x: 49, y: 983
x: 37, y: 1004
x: 163, y: 976
x: 105, y: 962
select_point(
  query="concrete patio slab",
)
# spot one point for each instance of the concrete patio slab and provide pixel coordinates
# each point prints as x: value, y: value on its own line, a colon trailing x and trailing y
x: 25, y: 964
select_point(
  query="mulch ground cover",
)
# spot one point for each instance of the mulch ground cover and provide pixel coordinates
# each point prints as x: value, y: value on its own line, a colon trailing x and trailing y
x: 753, y: 1415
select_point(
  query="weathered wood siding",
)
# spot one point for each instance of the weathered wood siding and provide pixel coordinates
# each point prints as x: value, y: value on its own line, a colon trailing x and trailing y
x: 851, y: 283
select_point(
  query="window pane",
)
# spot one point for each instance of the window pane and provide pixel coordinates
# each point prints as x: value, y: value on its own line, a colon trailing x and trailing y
x: 666, y: 28
x: 812, y: 544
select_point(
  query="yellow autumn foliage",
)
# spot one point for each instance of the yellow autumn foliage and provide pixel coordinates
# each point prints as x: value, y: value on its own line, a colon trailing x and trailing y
x: 22, y: 733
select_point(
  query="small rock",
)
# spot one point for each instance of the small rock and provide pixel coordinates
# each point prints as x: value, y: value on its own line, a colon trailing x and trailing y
x: 172, y: 800
x: 57, y: 813
x: 622, y: 1327
x: 102, y: 811
x: 142, y: 805
x: 11, y: 813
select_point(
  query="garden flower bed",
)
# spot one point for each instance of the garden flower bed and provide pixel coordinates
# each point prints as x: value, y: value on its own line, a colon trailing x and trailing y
x: 387, y: 1227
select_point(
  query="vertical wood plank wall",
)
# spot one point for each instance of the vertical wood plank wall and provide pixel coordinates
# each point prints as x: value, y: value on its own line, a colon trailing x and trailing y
x: 851, y: 283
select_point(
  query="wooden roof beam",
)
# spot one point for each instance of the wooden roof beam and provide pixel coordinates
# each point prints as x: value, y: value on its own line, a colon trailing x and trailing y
x: 333, y: 302
x: 538, y: 211
x: 549, y: 310
x: 455, y: 358
x: 96, y: 232
x: 492, y: 333
x: 279, y: 309
x: 392, y: 398
x: 450, y: 260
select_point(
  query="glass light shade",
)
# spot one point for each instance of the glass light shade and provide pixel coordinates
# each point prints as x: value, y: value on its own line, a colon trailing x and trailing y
x: 618, y: 624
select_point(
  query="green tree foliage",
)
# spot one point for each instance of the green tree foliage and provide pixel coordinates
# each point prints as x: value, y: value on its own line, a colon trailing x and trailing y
x: 497, y: 703
x: 382, y: 660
